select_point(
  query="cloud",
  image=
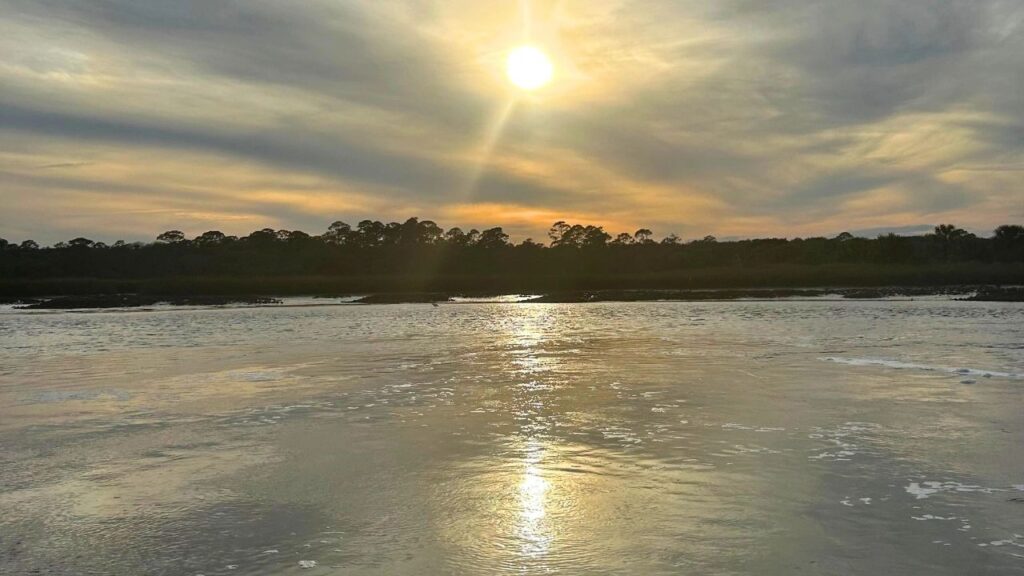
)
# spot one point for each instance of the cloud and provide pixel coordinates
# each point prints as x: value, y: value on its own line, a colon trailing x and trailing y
x: 734, y: 118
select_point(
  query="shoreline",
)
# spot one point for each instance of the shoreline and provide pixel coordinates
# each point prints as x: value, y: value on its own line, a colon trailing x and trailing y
x: 973, y: 293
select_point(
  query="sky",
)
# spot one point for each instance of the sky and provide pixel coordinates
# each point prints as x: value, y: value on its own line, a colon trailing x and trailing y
x: 120, y: 119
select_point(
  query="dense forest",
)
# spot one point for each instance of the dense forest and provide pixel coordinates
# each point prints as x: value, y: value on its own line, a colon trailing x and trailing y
x: 418, y: 254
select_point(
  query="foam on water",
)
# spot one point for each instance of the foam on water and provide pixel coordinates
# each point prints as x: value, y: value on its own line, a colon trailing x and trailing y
x: 926, y: 489
x: 1014, y: 541
x: 842, y: 448
x: 737, y: 449
x: 736, y: 426
x: 925, y: 367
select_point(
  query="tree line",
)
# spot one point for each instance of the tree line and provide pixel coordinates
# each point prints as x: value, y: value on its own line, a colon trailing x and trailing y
x: 421, y: 247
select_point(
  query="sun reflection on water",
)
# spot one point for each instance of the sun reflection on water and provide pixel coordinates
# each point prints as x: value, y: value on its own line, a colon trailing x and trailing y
x: 524, y: 495
x: 527, y: 522
x: 533, y: 530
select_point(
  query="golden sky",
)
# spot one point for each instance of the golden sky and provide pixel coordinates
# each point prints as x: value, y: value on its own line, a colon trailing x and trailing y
x: 124, y: 118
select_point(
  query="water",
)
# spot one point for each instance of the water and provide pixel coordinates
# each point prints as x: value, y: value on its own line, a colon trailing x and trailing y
x: 778, y: 437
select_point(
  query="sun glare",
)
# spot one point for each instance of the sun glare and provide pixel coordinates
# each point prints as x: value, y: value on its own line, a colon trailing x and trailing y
x: 529, y: 68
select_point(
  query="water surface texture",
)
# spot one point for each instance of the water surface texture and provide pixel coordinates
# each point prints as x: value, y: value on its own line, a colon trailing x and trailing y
x: 783, y: 437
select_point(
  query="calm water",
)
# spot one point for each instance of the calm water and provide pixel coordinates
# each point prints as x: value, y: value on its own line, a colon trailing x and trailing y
x: 643, y: 438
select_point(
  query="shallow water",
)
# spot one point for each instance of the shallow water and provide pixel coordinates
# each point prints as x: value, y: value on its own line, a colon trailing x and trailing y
x: 783, y: 437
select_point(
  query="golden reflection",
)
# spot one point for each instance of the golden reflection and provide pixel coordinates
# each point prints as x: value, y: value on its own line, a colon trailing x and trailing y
x: 523, y: 501
x: 532, y: 527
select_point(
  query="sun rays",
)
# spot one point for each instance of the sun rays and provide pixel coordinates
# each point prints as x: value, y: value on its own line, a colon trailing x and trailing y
x: 528, y: 68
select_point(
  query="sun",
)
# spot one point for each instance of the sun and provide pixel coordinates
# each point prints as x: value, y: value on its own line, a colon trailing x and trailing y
x: 529, y: 68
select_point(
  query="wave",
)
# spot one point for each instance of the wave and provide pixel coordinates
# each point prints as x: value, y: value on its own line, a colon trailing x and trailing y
x: 926, y: 367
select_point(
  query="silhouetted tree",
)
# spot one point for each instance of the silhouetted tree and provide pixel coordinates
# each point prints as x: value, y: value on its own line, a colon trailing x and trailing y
x: 595, y: 237
x: 572, y: 236
x: 297, y: 237
x: 455, y: 237
x: 558, y: 231
x: 493, y: 238
x: 265, y: 237
x: 211, y: 238
x: 623, y: 239
x: 577, y: 236
x: 407, y: 233
x: 950, y: 239
x: 413, y: 232
x: 950, y: 233
x: 337, y: 233
x: 892, y: 248
x: 80, y: 243
x: 579, y: 255
x: 171, y: 237
x: 429, y: 232
x: 1009, y: 242
x: 370, y: 233
x: 1009, y: 233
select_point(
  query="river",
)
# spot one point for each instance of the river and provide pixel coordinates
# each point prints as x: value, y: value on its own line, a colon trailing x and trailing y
x: 743, y: 437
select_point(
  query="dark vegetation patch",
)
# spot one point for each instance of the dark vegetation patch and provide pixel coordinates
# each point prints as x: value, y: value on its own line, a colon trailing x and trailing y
x: 138, y: 300
x: 997, y: 294
x: 18, y: 300
x: 404, y: 298
x: 419, y: 257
